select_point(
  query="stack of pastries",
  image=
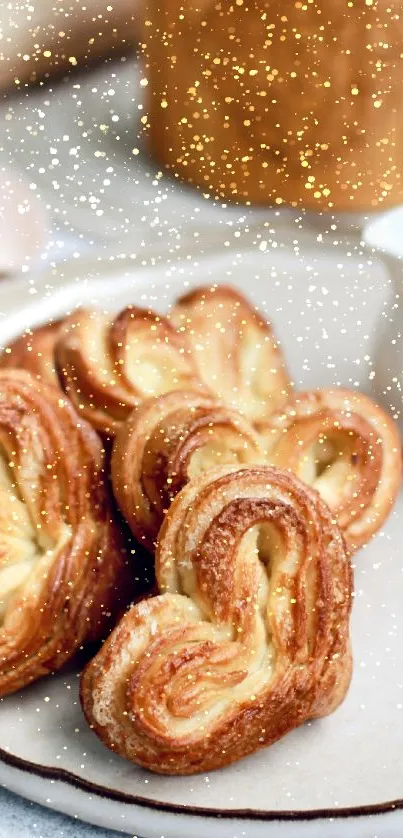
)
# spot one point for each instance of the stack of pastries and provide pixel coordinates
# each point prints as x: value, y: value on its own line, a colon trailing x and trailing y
x: 252, y: 498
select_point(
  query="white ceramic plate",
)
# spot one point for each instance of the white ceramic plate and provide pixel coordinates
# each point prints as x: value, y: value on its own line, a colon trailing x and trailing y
x: 335, y: 310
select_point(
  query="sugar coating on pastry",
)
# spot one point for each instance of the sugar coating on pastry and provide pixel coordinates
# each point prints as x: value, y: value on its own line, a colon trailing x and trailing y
x: 63, y: 563
x: 236, y: 352
x: 109, y: 364
x: 248, y: 638
x: 168, y: 441
x: 344, y: 445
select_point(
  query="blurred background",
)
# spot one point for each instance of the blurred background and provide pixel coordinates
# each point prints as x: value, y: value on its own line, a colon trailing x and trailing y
x: 73, y: 155
x: 94, y: 110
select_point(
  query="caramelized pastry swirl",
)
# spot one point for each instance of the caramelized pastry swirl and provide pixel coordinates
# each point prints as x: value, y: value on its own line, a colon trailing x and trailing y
x: 235, y: 350
x: 347, y: 448
x: 34, y: 351
x: 165, y: 443
x: 248, y: 638
x: 63, y: 570
x: 109, y: 365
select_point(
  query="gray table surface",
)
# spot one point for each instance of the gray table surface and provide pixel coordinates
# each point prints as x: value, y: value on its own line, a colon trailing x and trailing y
x: 22, y: 819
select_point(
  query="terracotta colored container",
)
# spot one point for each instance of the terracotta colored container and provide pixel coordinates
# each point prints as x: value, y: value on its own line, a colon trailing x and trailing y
x: 272, y: 102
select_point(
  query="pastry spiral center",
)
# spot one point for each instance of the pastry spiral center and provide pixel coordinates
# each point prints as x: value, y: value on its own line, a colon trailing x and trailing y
x: 339, y: 465
x: 25, y: 537
x: 240, y: 652
x: 223, y: 449
x: 19, y: 549
x: 95, y: 348
x: 260, y: 378
x: 154, y: 368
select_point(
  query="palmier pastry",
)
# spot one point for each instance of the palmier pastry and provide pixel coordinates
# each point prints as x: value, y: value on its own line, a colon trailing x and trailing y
x: 63, y: 570
x: 109, y: 365
x: 34, y: 351
x: 348, y: 448
x: 165, y: 443
x: 248, y: 638
x: 235, y: 350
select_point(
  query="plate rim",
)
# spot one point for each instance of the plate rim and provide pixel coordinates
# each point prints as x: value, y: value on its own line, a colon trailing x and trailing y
x: 73, y: 780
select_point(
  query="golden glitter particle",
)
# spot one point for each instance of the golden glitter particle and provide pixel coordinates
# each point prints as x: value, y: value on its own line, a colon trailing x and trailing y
x: 47, y: 53
x: 355, y: 91
x: 73, y: 60
x: 164, y: 103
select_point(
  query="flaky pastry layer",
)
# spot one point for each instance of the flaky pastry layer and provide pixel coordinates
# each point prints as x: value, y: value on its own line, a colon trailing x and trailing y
x: 34, y: 351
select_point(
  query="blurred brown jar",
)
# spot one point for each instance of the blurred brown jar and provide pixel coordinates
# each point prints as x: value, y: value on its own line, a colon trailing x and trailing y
x: 279, y: 102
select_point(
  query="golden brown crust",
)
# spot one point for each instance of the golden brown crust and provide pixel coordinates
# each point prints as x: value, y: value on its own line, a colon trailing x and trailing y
x: 236, y: 352
x: 249, y: 637
x: 166, y: 442
x: 348, y: 448
x: 34, y: 351
x: 109, y: 365
x: 63, y: 565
